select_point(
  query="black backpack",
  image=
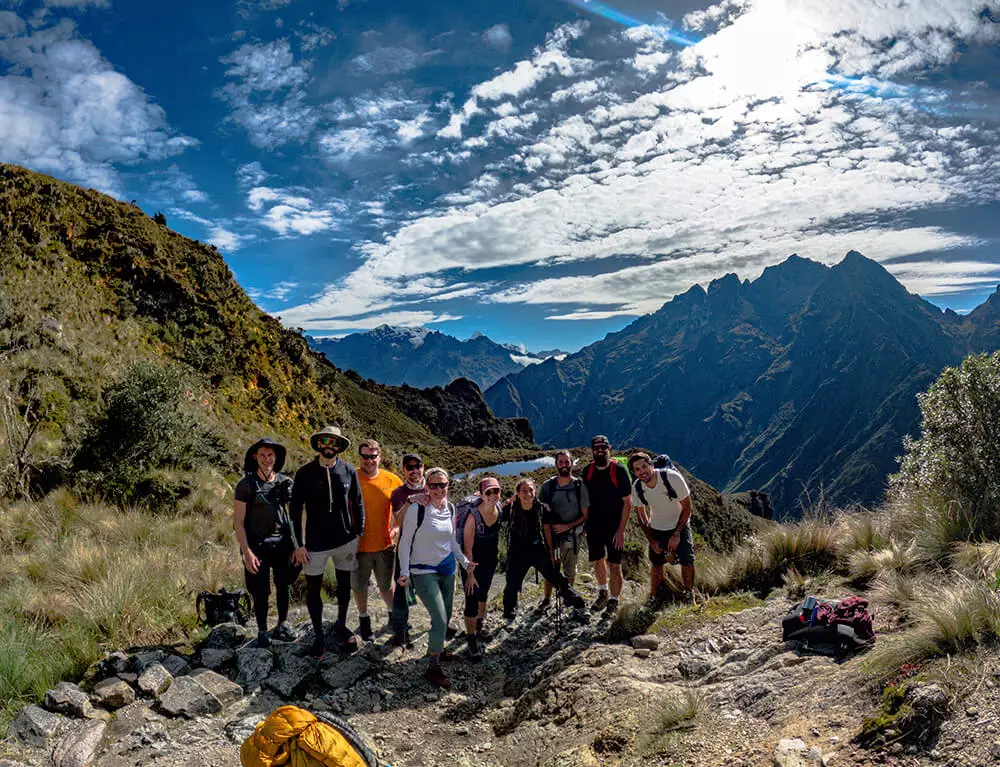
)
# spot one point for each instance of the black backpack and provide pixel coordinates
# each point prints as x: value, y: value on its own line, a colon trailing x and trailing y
x: 663, y: 478
x: 222, y: 606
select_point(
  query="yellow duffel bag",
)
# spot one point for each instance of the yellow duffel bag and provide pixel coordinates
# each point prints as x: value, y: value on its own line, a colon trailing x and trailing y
x: 293, y: 737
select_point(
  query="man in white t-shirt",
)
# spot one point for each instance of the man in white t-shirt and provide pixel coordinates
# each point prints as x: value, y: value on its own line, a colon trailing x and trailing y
x: 663, y: 501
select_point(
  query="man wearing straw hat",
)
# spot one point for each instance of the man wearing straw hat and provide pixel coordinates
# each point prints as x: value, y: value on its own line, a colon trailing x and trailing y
x: 329, y: 491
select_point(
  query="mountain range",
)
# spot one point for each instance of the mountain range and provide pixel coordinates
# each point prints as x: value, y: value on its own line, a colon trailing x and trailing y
x: 422, y: 357
x: 802, y: 382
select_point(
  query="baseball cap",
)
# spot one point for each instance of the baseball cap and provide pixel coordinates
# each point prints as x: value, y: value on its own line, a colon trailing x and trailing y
x: 600, y: 439
x: 412, y: 458
x: 487, y: 482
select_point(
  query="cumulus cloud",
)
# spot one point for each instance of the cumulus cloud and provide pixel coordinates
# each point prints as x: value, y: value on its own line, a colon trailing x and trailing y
x: 218, y: 233
x: 498, y: 36
x: 65, y: 110
x: 289, y: 213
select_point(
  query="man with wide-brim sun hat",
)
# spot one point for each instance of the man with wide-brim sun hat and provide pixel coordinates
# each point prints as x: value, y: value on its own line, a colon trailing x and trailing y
x: 327, y: 488
x: 264, y: 532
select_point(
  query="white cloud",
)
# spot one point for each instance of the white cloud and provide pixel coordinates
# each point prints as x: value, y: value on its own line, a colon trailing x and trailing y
x: 313, y: 36
x: 277, y: 292
x: 406, y: 319
x: 386, y: 60
x: 290, y: 214
x: 251, y: 174
x: 346, y: 144
x: 78, y: 4
x: 217, y: 233
x: 498, y: 36
x: 65, y: 110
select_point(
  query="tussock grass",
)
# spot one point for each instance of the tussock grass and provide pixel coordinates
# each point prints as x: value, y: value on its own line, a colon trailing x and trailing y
x: 678, y: 714
x: 79, y: 578
x: 949, y: 616
x: 864, y: 566
x: 978, y: 560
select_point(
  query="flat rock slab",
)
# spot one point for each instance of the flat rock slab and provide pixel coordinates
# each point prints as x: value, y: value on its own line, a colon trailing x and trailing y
x: 226, y: 691
x: 346, y: 672
x: 253, y: 666
x: 113, y: 693
x: 176, y: 665
x: 78, y: 746
x: 67, y: 698
x: 217, y: 657
x: 293, y: 673
x: 143, y: 660
x: 227, y: 636
x: 646, y: 642
x: 34, y: 726
x: 185, y: 697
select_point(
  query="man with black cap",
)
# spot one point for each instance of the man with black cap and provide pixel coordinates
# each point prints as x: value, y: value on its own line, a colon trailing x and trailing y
x: 329, y: 491
x: 610, y: 493
x: 399, y: 502
x: 265, y: 535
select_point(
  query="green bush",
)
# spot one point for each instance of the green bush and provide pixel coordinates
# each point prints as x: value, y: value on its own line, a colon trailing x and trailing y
x: 149, y: 424
x: 956, y: 460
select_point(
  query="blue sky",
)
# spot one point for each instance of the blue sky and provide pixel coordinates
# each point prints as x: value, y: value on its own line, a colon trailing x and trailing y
x: 541, y: 171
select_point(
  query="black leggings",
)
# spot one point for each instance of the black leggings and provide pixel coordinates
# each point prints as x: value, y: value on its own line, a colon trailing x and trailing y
x: 484, y: 579
x: 314, y: 599
x: 259, y: 586
x: 518, y: 564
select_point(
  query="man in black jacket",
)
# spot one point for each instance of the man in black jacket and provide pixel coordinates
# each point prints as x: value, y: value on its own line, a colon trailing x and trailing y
x: 329, y: 491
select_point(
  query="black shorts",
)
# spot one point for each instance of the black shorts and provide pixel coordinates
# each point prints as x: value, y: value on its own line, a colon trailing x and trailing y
x: 601, y: 544
x: 683, y: 554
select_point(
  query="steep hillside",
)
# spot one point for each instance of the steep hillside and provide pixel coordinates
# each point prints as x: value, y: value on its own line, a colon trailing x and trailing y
x: 89, y: 286
x: 802, y: 382
x: 421, y: 357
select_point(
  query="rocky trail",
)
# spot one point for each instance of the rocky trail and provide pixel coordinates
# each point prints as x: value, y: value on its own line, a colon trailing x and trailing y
x: 554, y: 693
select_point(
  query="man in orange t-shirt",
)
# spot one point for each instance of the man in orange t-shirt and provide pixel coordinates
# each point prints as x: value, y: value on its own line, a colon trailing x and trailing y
x: 375, y: 550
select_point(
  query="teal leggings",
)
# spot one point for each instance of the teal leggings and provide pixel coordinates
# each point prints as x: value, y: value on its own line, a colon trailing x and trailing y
x: 436, y: 591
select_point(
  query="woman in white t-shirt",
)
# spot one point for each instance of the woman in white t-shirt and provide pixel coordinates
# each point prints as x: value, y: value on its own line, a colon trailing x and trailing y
x: 428, y: 551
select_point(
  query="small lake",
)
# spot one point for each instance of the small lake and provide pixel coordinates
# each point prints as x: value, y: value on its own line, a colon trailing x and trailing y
x: 511, y: 468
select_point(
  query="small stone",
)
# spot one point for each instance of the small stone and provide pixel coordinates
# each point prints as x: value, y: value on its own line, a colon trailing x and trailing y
x: 185, y: 697
x: 78, y: 746
x: 643, y: 652
x: 113, y: 693
x: 154, y: 680
x: 646, y: 642
x: 972, y: 712
x: 67, y: 698
x: 143, y: 660
x: 215, y: 658
x: 896, y: 749
x: 790, y: 752
x: 222, y: 688
x: 834, y: 739
x: 129, y: 677
x: 176, y: 665
x: 33, y: 726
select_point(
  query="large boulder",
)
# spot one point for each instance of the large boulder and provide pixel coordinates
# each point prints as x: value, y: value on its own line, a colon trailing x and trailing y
x: 253, y: 665
x: 78, y: 746
x: 185, y: 697
x: 226, y: 691
x: 154, y: 680
x: 216, y: 657
x: 33, y: 726
x: 292, y: 674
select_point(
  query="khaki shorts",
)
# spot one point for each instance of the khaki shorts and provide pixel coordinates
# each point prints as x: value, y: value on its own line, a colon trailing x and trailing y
x: 380, y: 562
x: 344, y: 558
x: 568, y: 555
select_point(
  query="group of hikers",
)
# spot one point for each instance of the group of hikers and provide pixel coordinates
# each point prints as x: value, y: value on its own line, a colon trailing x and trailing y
x: 408, y: 534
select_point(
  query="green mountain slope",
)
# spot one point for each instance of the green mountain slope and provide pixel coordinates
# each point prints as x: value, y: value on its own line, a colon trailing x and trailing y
x: 90, y: 286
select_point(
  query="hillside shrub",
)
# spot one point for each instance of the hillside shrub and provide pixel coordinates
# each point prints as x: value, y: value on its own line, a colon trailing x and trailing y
x: 149, y: 424
x: 954, y: 465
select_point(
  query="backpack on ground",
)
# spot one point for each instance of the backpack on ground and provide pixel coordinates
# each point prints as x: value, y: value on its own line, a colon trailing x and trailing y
x: 840, y: 627
x: 222, y: 606
x: 295, y: 737
x: 466, y: 506
x: 640, y: 490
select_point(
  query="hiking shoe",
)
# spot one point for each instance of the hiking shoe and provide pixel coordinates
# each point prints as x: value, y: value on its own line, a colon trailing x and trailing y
x: 481, y: 633
x: 346, y: 641
x: 600, y: 603
x: 365, y: 628
x: 572, y: 599
x: 436, y: 676
x: 509, y: 615
x: 612, y: 606
x: 263, y: 640
x: 475, y: 653
x: 543, y: 605
x: 688, y: 598
x: 451, y: 632
x: 447, y: 656
x: 284, y: 633
x: 318, y: 650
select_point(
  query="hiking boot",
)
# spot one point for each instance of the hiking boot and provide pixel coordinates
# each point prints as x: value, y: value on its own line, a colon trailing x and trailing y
x: 509, y: 615
x: 451, y: 632
x: 365, y: 628
x: 436, y: 676
x: 612, y: 606
x: 284, y: 633
x: 263, y: 640
x: 571, y: 599
x: 346, y: 641
x: 475, y: 653
x: 318, y: 650
x: 600, y: 603
x: 399, y: 639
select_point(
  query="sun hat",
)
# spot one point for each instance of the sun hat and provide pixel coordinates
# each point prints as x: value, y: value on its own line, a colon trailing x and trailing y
x: 250, y: 459
x: 330, y: 431
x: 487, y: 482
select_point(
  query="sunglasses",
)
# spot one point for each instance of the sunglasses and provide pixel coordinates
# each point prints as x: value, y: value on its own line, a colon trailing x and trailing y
x: 413, y: 466
x: 492, y: 491
x: 437, y: 485
x: 326, y: 441
x: 368, y: 456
